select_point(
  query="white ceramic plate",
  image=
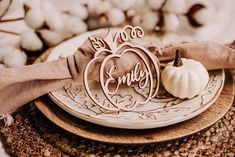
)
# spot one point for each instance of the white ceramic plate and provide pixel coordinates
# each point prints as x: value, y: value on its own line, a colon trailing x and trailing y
x: 162, y: 111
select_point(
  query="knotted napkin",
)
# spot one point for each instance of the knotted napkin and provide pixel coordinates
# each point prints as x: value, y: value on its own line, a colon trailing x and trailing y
x: 21, y: 85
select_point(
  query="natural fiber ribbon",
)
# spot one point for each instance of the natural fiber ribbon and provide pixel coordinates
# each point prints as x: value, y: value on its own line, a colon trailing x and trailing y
x: 21, y: 85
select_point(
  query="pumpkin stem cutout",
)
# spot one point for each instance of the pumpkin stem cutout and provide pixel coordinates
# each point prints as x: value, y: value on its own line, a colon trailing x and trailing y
x: 177, y: 62
x: 118, y: 74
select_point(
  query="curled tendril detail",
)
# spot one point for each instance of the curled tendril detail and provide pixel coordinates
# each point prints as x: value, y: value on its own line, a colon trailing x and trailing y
x: 139, y: 32
x: 123, y: 36
x: 134, y: 32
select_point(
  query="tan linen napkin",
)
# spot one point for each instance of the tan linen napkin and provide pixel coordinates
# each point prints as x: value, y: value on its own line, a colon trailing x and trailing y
x: 21, y: 85
x: 211, y: 55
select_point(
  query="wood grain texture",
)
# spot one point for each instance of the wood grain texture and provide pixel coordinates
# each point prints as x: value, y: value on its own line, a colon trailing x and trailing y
x: 123, y: 136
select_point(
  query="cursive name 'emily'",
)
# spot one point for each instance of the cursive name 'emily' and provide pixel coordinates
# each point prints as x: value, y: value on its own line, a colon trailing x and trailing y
x: 135, y: 75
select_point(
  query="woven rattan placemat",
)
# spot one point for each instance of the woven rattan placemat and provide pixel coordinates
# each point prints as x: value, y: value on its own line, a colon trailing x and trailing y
x: 32, y: 134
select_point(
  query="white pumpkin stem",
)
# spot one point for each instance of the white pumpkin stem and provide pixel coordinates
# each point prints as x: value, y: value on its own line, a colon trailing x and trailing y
x: 177, y: 62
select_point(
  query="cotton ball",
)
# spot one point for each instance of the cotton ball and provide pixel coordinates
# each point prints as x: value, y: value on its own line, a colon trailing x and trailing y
x: 9, y: 40
x: 75, y: 25
x: 3, y: 6
x: 103, y: 7
x: 5, y: 50
x: 115, y: 17
x: 2, y: 66
x: 203, y: 16
x: 53, y: 38
x: 100, y: 22
x: 47, y: 5
x: 140, y: 3
x: 91, y: 5
x: 79, y: 11
x: 130, y: 13
x: 15, y: 59
x: 92, y: 23
x: 150, y: 20
x: 175, y: 6
x: 155, y: 4
x: 124, y: 4
x: 30, y: 41
x: 103, y: 22
x: 34, y: 18
x: 137, y: 20
x: 32, y: 4
x: 171, y: 22
x: 53, y: 17
x: 53, y: 20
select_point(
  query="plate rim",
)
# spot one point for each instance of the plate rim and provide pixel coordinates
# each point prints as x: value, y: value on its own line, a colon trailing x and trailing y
x: 130, y: 126
x: 88, y: 131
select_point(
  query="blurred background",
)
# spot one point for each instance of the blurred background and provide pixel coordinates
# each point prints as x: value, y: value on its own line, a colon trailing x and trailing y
x: 29, y: 27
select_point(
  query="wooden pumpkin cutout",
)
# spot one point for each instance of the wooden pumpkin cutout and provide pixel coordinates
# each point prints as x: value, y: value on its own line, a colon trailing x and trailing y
x: 111, y: 93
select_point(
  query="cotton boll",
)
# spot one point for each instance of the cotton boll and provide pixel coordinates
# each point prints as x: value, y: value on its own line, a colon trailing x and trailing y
x: 47, y: 5
x: 65, y: 35
x: 103, y: 7
x: 34, y: 18
x: 15, y: 59
x: 204, y: 16
x: 2, y: 66
x: 79, y: 11
x: 91, y: 5
x: 53, y: 38
x: 171, y: 22
x: 3, y: 6
x: 54, y: 21
x: 137, y: 20
x: 124, y: 4
x: 9, y: 40
x: 130, y: 13
x: 33, y: 4
x: 140, y: 3
x: 75, y: 25
x: 30, y: 41
x: 175, y: 6
x: 92, y: 23
x: 115, y: 17
x: 53, y: 17
x: 155, y: 4
x: 5, y: 50
x: 103, y: 22
x: 150, y: 20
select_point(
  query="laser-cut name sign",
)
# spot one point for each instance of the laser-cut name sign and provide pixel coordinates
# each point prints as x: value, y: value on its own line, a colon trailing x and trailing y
x: 122, y: 65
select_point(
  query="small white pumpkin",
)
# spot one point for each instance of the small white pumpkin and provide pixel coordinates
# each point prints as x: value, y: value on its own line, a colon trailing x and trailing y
x: 184, y: 78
